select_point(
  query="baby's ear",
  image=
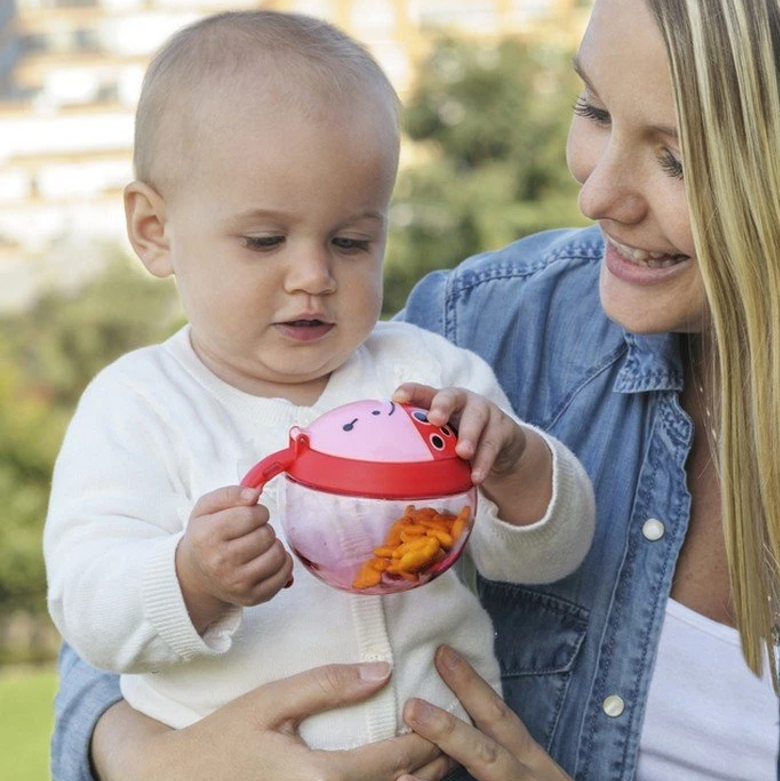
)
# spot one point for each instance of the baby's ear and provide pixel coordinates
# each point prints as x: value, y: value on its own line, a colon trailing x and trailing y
x: 145, y: 215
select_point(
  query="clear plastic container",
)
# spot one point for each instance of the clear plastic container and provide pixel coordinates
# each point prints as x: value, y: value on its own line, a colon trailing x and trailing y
x: 375, y: 546
x: 374, y: 498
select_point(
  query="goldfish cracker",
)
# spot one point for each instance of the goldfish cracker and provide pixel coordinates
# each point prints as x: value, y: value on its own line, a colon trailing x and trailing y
x: 420, y: 557
x: 417, y: 540
x: 417, y: 543
x: 460, y: 522
x: 445, y: 540
x: 367, y: 576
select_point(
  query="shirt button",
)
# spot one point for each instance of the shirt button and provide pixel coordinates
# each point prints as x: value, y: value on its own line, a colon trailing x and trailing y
x: 653, y: 529
x: 613, y: 706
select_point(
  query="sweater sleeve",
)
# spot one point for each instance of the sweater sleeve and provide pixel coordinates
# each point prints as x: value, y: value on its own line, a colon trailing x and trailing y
x: 549, y: 549
x: 554, y: 546
x: 117, y: 510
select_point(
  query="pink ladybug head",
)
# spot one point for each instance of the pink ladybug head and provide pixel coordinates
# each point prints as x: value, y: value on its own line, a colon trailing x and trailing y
x: 381, y: 431
x: 370, y: 448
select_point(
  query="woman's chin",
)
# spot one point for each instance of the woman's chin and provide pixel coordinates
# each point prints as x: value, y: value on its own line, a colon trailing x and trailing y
x: 649, y: 310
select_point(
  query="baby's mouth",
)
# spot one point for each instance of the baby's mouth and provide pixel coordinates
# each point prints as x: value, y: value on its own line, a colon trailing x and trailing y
x: 305, y: 329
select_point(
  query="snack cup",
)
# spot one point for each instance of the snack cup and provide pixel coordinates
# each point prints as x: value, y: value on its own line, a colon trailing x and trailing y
x: 375, y: 500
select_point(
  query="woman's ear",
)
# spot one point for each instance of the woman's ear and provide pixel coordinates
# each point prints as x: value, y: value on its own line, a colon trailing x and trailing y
x: 145, y: 216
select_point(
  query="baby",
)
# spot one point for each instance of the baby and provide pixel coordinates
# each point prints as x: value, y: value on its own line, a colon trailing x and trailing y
x: 266, y: 151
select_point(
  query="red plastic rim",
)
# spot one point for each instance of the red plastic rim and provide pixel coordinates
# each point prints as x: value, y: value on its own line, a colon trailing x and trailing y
x: 376, y: 480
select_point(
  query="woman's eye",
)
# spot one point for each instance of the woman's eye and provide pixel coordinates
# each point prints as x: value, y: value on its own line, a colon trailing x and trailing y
x: 670, y: 164
x: 263, y: 242
x: 584, y: 109
x: 351, y: 245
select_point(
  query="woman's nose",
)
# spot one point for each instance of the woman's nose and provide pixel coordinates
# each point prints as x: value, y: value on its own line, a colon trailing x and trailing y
x: 611, y: 186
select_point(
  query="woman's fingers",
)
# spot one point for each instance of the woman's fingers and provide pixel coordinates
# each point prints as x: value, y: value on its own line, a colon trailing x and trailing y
x: 433, y: 771
x: 498, y: 747
x: 288, y: 701
x: 494, y: 717
x: 386, y: 760
x: 488, y: 711
x: 482, y: 756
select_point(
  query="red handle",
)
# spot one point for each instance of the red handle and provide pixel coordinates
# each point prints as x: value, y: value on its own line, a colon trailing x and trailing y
x: 276, y: 463
x: 268, y: 468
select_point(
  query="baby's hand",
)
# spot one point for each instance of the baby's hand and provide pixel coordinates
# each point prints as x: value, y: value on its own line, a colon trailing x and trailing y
x: 487, y: 436
x: 229, y: 555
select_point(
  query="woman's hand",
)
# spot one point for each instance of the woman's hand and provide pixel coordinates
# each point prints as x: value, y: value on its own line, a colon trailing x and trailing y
x: 255, y: 738
x: 497, y: 748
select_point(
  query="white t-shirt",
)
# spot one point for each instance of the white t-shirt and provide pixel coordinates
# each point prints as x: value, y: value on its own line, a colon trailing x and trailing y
x: 708, y: 718
x: 155, y: 431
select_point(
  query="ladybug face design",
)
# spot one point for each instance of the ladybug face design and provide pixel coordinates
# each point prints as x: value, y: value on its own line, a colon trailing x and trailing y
x: 381, y: 431
x: 440, y: 439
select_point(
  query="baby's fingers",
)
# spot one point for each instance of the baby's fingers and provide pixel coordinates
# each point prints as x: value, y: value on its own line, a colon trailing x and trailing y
x: 414, y: 393
x: 476, y: 430
x: 443, y: 405
x: 264, y: 577
x: 224, y: 498
x: 500, y: 447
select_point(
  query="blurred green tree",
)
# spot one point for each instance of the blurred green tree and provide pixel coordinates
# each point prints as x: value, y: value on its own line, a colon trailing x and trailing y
x: 488, y: 126
x: 47, y: 356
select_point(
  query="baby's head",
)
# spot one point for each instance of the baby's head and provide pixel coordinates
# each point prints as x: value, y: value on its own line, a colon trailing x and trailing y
x: 276, y: 59
x: 266, y: 153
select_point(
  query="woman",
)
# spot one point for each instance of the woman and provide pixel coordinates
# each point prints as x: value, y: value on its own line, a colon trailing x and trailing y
x: 649, y: 344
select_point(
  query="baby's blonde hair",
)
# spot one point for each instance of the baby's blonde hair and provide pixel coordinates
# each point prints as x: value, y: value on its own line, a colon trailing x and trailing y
x: 725, y: 63
x: 294, y: 50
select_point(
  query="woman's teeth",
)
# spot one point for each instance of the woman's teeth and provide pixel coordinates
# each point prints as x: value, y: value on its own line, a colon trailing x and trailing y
x: 645, y: 258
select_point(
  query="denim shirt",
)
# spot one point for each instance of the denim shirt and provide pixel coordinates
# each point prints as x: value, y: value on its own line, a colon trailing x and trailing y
x: 577, y: 655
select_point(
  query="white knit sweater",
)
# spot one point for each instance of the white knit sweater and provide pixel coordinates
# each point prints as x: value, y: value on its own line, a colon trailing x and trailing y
x: 155, y: 431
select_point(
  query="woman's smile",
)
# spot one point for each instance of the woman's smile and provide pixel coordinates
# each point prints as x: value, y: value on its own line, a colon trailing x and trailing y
x: 642, y: 267
x: 646, y: 257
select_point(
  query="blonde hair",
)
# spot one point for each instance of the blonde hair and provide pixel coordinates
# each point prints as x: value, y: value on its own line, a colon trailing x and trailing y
x: 211, y: 54
x: 725, y: 64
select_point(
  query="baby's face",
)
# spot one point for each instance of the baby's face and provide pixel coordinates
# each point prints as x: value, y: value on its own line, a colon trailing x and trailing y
x: 278, y: 235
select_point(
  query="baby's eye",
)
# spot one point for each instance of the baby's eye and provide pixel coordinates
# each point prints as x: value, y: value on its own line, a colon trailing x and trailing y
x: 263, y: 242
x: 351, y: 245
x: 598, y: 115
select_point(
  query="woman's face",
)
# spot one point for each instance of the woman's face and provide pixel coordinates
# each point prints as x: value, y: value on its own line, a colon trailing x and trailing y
x: 624, y: 150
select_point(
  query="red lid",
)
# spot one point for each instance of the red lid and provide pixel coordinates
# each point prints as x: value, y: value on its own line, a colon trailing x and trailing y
x: 424, y: 463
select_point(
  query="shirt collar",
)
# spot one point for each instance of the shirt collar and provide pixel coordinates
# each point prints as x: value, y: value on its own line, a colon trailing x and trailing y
x: 652, y: 363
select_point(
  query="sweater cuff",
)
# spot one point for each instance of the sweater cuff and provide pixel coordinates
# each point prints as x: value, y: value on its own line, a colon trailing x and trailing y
x: 167, y: 612
x: 552, y: 547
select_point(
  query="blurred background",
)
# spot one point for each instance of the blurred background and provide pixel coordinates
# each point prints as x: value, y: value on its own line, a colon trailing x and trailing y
x: 488, y: 90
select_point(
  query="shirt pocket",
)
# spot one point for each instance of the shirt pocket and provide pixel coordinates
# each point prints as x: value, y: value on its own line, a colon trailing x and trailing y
x: 538, y: 638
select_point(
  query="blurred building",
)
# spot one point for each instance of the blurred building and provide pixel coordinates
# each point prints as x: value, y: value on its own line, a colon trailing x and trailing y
x: 70, y: 74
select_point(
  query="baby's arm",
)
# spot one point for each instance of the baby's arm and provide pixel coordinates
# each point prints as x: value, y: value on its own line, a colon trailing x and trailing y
x: 535, y: 518
x: 119, y: 504
x: 511, y: 463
